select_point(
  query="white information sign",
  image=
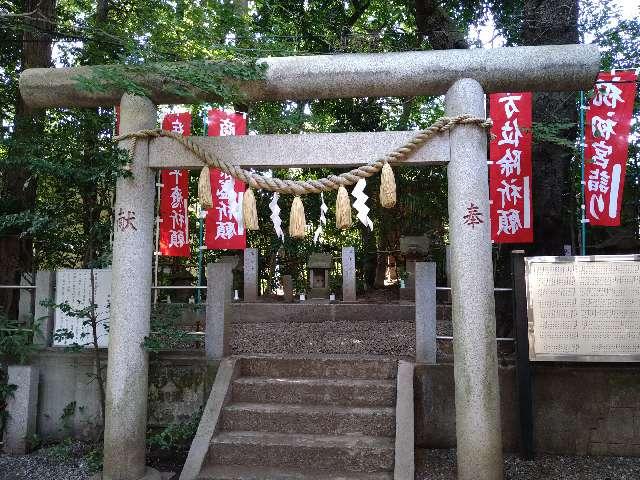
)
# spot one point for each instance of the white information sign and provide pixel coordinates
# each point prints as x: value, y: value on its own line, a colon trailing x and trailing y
x: 584, y: 308
x: 73, y: 287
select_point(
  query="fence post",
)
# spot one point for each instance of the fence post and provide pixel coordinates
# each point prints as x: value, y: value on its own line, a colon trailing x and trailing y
x: 45, y: 281
x: 426, y: 346
x: 218, y: 325
x: 523, y: 366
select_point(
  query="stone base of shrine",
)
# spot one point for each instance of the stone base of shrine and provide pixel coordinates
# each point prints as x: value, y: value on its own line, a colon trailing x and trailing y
x: 151, y: 474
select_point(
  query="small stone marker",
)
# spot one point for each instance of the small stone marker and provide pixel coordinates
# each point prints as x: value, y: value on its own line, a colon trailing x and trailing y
x: 22, y: 408
x: 426, y: 312
x: 348, y: 274
x: 218, y: 324
x: 41, y: 313
x: 250, y: 274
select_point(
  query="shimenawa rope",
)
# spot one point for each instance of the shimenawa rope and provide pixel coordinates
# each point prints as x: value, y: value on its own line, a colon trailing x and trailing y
x: 301, y: 187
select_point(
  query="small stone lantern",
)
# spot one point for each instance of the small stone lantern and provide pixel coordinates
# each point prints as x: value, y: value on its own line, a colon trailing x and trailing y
x: 414, y: 249
x: 319, y: 267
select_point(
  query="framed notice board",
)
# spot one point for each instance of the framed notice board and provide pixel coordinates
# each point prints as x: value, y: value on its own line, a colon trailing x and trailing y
x: 583, y: 309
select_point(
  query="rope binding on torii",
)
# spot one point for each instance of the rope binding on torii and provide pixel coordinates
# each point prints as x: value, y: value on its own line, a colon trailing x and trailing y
x: 301, y: 187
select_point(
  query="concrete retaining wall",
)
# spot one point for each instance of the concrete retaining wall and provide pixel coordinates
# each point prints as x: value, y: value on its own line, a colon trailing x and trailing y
x: 579, y: 409
x: 177, y: 390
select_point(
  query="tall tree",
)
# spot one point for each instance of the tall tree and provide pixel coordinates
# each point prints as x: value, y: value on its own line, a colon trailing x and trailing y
x: 19, y: 186
x: 552, y: 22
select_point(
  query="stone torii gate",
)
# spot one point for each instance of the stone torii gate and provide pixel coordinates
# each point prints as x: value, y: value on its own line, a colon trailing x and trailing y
x: 463, y: 75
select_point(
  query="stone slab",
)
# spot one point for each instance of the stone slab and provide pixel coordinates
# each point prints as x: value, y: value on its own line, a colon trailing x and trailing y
x: 237, y: 472
x: 426, y: 345
x: 404, y: 465
x: 43, y: 315
x: 320, y: 366
x: 22, y: 407
x: 349, y: 274
x: 310, y: 419
x: 218, y: 315
x: 250, y: 274
x: 211, y: 415
x: 353, y: 453
x: 150, y: 474
x: 508, y: 69
x: 26, y: 297
x: 311, y: 150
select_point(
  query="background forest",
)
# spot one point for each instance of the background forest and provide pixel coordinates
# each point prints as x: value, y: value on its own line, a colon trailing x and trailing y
x: 58, y: 167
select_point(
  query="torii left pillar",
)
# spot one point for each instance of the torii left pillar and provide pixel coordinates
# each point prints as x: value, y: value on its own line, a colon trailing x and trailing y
x: 128, y: 362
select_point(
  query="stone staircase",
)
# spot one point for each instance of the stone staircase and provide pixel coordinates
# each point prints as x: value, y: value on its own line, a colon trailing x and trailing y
x: 305, y: 418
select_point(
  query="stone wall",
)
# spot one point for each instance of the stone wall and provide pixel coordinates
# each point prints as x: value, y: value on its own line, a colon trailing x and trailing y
x: 177, y: 390
x: 578, y: 408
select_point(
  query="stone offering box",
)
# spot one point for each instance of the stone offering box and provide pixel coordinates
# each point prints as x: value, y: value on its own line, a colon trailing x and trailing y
x: 319, y: 266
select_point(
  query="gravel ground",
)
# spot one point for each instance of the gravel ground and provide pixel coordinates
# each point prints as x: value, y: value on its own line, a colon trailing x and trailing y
x: 440, y: 465
x: 68, y: 462
x: 50, y: 464
x: 54, y: 463
x: 362, y: 337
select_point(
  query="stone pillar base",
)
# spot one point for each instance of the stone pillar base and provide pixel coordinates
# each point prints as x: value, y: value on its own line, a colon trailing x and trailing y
x: 150, y: 474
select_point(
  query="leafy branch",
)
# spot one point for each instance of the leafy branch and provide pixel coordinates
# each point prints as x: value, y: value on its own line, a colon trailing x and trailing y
x: 188, y: 80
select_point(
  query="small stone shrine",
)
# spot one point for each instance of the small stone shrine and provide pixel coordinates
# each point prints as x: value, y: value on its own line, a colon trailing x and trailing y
x: 319, y: 266
x: 414, y: 250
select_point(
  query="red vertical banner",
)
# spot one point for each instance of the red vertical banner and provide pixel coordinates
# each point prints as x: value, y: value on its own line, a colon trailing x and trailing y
x: 510, y: 170
x: 174, y: 195
x: 607, y: 144
x: 224, y: 225
x: 223, y: 124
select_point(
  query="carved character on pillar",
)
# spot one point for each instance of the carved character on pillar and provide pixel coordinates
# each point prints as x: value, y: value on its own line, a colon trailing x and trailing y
x: 125, y: 220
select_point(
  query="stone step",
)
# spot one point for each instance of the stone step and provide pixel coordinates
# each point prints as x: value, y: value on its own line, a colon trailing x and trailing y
x: 315, y: 391
x: 312, y: 419
x: 348, y: 453
x: 319, y: 366
x: 232, y: 472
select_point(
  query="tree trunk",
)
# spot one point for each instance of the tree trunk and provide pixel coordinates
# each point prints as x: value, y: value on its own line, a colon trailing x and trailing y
x: 551, y: 22
x: 16, y: 249
x: 434, y: 23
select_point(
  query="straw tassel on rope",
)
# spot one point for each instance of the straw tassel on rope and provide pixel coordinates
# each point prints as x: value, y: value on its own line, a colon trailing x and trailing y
x: 204, y: 188
x: 249, y: 210
x: 297, y: 222
x: 387, y: 187
x: 343, y: 209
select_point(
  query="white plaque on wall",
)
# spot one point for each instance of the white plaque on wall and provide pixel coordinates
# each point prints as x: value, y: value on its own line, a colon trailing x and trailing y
x: 584, y: 308
x: 73, y: 287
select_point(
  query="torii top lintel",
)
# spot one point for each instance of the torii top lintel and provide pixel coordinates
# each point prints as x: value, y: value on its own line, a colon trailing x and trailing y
x: 508, y: 69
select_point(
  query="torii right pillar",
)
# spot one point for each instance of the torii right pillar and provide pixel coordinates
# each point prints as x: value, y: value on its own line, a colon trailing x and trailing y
x: 477, y: 396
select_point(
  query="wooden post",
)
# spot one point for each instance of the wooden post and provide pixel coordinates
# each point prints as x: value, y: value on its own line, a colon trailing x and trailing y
x: 523, y: 366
